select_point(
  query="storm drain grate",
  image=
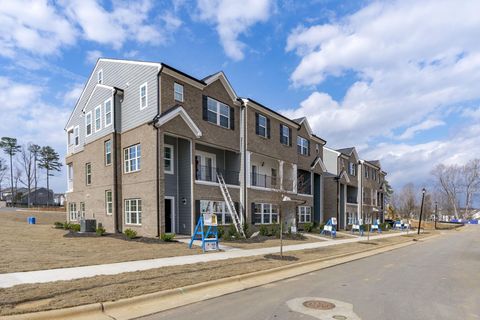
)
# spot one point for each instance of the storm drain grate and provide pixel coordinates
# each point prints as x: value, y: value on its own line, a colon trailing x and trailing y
x: 319, y: 305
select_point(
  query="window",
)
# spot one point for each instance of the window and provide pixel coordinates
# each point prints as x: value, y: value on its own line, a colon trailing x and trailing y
x: 100, y: 76
x: 98, y: 118
x: 168, y: 158
x: 70, y: 177
x: 285, y: 135
x: 265, y: 213
x: 178, y: 92
x: 303, y: 146
x: 108, y: 152
x: 72, y: 211
x: 143, y: 96
x: 88, y: 123
x: 131, y: 158
x: 205, y: 166
x: 218, y: 113
x: 219, y: 208
x: 108, y: 202
x: 262, y: 125
x: 304, y: 182
x: 367, y: 169
x: 133, y: 211
x: 305, y: 214
x: 81, y: 213
x: 352, y: 169
x: 88, y: 173
x: 108, y: 112
x: 76, y: 135
x: 70, y: 137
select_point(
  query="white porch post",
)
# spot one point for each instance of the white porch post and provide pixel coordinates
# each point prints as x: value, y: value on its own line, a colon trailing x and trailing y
x: 294, y: 174
x: 280, y: 172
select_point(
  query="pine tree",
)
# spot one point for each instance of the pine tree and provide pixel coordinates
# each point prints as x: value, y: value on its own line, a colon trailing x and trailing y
x: 10, y: 147
x: 49, y: 160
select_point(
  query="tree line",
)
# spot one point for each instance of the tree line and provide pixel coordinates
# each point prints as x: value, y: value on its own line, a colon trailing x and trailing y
x: 23, y: 166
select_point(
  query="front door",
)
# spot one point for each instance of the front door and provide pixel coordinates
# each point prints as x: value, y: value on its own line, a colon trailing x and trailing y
x: 169, y: 215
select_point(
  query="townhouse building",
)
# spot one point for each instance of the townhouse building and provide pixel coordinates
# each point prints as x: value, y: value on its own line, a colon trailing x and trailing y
x: 149, y: 148
x: 354, y: 188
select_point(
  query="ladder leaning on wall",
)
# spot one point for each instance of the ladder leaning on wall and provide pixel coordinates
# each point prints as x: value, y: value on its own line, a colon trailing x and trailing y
x: 230, y: 205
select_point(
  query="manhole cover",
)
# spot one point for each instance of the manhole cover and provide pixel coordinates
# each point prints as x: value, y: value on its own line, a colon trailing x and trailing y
x: 339, y: 317
x: 319, y: 305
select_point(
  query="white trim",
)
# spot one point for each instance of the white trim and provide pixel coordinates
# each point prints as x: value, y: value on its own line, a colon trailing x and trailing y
x: 174, y: 218
x: 305, y: 214
x: 218, y: 106
x: 322, y: 165
x: 106, y: 202
x: 99, y: 107
x: 344, y: 174
x: 100, y: 76
x: 91, y: 123
x: 76, y: 128
x: 264, y: 127
x: 138, y: 158
x: 175, y: 84
x: 182, y: 113
x: 146, y: 95
x: 105, y: 112
x: 138, y: 213
x: 172, y: 159
x: 93, y: 91
x: 220, y: 75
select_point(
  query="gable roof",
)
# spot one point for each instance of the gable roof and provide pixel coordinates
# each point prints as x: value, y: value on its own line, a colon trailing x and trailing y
x: 344, y: 174
x: 174, y: 112
x: 349, y: 151
x: 304, y: 121
x: 318, y: 160
x: 223, y: 78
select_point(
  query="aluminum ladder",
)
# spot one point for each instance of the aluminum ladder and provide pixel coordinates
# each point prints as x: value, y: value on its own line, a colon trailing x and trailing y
x: 230, y: 204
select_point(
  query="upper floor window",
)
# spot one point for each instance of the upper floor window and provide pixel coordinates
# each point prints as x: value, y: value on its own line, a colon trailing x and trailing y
x: 262, y: 125
x: 76, y: 135
x: 98, y: 118
x: 88, y: 173
x: 305, y: 214
x: 108, y: 202
x: 108, y: 112
x: 143, y: 96
x: 168, y: 158
x: 88, y: 123
x: 303, y: 146
x: 352, y: 168
x: 367, y: 173
x: 100, y: 76
x: 108, y: 152
x: 132, y: 157
x: 218, y: 113
x: 285, y: 135
x: 178, y: 92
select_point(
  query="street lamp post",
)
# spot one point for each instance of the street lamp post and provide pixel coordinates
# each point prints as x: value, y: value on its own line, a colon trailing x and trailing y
x: 436, y: 216
x: 421, y: 210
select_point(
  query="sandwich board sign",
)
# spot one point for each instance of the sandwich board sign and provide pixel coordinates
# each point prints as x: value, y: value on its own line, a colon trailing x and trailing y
x: 330, y: 227
x: 206, y: 231
x: 209, y: 219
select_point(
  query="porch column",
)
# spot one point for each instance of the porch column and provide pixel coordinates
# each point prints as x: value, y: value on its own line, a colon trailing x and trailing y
x: 294, y: 178
x: 280, y: 173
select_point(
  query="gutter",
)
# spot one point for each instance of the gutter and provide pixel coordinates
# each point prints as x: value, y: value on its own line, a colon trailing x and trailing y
x: 115, y: 161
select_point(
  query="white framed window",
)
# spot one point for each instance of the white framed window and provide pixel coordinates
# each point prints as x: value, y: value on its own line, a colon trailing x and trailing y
x: 304, y: 214
x: 178, y: 91
x: 352, y: 169
x: 72, y: 211
x: 100, y: 76
x: 168, y: 159
x: 133, y: 211
x: 262, y: 126
x: 266, y: 213
x: 109, y: 202
x: 285, y: 135
x: 98, y: 118
x: 107, y: 111
x: 76, y: 136
x: 367, y: 169
x: 205, y: 166
x: 70, y: 177
x: 132, y: 156
x: 143, y: 96
x: 219, y: 208
x: 88, y: 123
x: 81, y: 211
x: 88, y: 173
x: 218, y: 113
x: 108, y: 152
x: 302, y: 146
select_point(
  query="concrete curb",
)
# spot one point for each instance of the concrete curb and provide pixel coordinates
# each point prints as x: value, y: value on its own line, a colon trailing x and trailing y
x: 164, y: 300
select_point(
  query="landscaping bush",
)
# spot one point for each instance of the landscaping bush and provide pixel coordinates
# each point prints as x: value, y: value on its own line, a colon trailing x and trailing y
x: 66, y: 225
x: 308, y: 227
x: 264, y: 231
x: 384, y: 226
x: 168, y: 237
x: 232, y: 232
x: 130, y: 234
x: 320, y: 227
x: 220, y: 232
x: 59, y: 225
x: 275, y: 231
x: 100, y: 231
x: 74, y: 227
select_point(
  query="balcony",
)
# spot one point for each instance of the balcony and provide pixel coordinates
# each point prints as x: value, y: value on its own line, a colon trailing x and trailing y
x: 352, y: 200
x: 265, y: 181
x: 210, y: 174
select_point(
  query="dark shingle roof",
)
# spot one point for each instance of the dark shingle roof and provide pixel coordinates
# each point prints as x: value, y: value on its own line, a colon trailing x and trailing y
x: 347, y: 151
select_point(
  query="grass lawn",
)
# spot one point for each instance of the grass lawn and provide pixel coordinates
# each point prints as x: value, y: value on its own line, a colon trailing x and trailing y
x: 62, y: 294
x: 27, y: 247
x: 266, y: 242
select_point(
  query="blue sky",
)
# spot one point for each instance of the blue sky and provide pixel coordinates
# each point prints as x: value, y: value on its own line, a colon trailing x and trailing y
x: 397, y: 79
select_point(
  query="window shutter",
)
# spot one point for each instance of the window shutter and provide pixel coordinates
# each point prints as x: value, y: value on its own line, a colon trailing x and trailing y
x: 257, y: 129
x: 252, y: 213
x: 205, y: 108
x: 232, y: 118
x: 290, y: 138
x: 268, y: 128
x: 197, y: 211
x: 308, y: 147
x: 281, y: 133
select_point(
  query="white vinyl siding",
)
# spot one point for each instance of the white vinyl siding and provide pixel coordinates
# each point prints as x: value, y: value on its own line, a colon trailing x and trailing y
x: 107, y: 111
x: 88, y: 123
x: 98, y: 118
x: 143, y: 96
x: 178, y: 92
x: 266, y: 213
x: 305, y: 214
x: 133, y: 211
x: 168, y: 159
x: 218, y: 113
x: 132, y: 156
x: 100, y: 76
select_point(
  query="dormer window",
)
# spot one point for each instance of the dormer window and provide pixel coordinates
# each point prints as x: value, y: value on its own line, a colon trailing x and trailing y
x: 303, y: 146
x: 178, y: 92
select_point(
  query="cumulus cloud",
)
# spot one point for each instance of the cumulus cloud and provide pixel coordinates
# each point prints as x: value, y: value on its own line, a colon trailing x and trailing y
x: 232, y: 19
x: 92, y: 56
x: 425, y: 125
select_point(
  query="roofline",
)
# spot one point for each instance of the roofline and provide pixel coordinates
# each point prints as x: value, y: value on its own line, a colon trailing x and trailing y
x: 184, y: 74
x: 293, y: 123
x: 370, y: 164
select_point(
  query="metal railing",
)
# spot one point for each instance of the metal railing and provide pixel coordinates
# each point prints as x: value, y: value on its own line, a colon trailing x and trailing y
x: 207, y: 173
x: 264, y: 181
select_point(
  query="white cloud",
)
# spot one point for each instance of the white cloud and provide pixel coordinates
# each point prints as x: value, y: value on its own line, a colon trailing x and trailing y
x: 34, y: 26
x: 423, y: 126
x: 92, y: 56
x: 233, y: 18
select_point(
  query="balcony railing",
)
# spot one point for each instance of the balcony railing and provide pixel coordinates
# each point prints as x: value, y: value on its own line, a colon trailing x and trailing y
x: 351, y: 200
x: 207, y: 173
x: 265, y: 181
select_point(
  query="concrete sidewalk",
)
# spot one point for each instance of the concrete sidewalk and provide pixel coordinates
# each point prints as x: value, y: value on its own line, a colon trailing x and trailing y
x: 41, y: 276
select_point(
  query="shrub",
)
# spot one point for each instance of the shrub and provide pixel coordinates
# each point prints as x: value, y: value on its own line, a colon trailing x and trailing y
x: 66, y: 225
x: 100, y: 231
x: 264, y: 231
x: 246, y: 230
x: 59, y: 225
x: 168, y: 237
x: 275, y: 231
x: 320, y: 227
x: 220, y: 232
x: 384, y: 226
x: 130, y: 233
x: 232, y: 232
x: 308, y: 227
x: 74, y: 227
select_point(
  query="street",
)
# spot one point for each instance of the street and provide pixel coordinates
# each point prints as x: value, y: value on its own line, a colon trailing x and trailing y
x: 435, y: 279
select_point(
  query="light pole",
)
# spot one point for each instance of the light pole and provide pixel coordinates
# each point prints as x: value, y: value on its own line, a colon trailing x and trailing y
x: 436, y: 217
x: 421, y: 210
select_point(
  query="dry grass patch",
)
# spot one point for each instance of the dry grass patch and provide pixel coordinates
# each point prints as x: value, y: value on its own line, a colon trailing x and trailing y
x: 266, y: 242
x: 62, y: 294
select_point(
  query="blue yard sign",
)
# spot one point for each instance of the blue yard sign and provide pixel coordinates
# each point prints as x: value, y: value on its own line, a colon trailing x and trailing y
x: 207, y: 232
x: 330, y: 228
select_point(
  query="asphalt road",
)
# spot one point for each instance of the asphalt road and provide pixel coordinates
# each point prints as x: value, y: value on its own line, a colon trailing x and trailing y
x: 435, y: 279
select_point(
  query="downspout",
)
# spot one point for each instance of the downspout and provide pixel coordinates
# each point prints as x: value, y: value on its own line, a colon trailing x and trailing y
x: 243, y: 150
x: 157, y: 184
x: 115, y: 161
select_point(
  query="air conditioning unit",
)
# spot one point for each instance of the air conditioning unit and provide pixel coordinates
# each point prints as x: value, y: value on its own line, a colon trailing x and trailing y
x: 88, y: 225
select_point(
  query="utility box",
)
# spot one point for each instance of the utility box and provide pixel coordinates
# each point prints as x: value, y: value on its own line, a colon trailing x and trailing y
x: 88, y: 225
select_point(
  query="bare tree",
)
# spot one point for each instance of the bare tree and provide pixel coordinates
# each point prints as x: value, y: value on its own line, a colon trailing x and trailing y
x: 35, y: 150
x: 27, y: 164
x: 448, y: 178
x: 17, y: 176
x: 407, y: 200
x: 3, y: 172
x: 470, y: 183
